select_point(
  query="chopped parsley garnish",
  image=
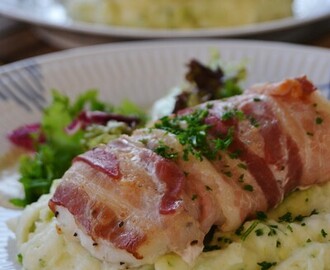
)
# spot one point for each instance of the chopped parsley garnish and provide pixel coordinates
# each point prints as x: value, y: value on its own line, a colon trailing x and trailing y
x: 233, y: 114
x: 248, y: 188
x: 20, y: 258
x: 208, y: 188
x: 144, y: 141
x: 235, y: 154
x: 42, y: 263
x: 223, y: 144
x: 324, y: 233
x: 318, y: 120
x: 259, y: 232
x: 225, y: 240
x: 256, y: 99
x: 241, y: 178
x: 287, y: 217
x: 165, y: 151
x: 194, y: 197
x: 227, y: 173
x: 191, y: 132
x: 278, y: 244
x: 254, y: 122
x: 272, y: 230
x: 242, y: 166
x: 245, y: 234
x: 261, y: 216
x: 239, y: 230
x: 289, y: 228
x: 266, y: 265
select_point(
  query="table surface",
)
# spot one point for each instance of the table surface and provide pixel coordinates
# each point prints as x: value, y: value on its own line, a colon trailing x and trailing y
x: 19, y: 41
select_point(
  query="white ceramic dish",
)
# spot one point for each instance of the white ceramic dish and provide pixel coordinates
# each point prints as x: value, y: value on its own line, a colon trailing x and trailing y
x: 143, y: 72
x: 310, y: 17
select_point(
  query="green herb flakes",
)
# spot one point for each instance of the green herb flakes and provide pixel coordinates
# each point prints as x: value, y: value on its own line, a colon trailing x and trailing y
x: 262, y: 216
x: 249, y: 230
x: 248, y: 188
x: 318, y: 120
x: 278, y: 244
x: 259, y: 232
x: 20, y: 258
x: 266, y: 265
x: 191, y: 132
x: 324, y: 233
x: 165, y: 151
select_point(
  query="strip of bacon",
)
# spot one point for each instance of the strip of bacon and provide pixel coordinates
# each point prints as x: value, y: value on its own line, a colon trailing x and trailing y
x: 130, y: 205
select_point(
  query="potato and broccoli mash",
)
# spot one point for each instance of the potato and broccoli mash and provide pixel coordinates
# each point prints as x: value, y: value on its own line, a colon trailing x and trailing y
x: 295, y: 235
x: 178, y: 14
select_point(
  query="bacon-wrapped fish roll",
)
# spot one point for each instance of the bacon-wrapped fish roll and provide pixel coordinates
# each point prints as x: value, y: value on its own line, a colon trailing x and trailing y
x: 161, y: 189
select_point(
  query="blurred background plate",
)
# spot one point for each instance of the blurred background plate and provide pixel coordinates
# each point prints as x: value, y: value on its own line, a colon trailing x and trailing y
x: 310, y: 18
x: 139, y: 71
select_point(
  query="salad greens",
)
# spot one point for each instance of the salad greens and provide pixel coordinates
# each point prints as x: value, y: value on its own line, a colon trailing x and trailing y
x: 53, y: 156
x: 209, y: 83
x: 68, y: 129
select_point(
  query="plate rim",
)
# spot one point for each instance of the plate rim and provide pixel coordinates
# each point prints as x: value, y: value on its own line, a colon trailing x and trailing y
x: 85, y: 51
x: 130, y: 32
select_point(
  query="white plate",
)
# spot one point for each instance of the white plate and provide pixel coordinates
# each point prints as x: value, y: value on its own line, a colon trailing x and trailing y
x: 142, y: 72
x: 310, y: 17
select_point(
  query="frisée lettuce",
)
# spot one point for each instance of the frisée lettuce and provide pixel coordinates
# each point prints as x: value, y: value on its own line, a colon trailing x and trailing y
x: 61, y: 142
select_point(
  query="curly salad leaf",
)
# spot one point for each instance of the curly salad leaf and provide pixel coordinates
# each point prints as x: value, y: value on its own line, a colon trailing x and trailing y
x: 55, y: 146
x: 209, y: 83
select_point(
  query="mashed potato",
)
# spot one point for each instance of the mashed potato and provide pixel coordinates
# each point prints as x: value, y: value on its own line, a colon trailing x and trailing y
x: 178, y: 13
x: 296, y: 235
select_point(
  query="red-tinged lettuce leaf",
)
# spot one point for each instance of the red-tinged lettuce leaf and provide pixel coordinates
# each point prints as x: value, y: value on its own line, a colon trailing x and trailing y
x: 87, y: 118
x: 55, y: 152
x: 206, y: 84
x: 27, y: 136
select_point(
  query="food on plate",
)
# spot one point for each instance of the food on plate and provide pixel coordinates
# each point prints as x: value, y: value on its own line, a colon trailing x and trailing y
x: 293, y: 236
x: 69, y: 128
x: 159, y: 197
x: 161, y: 189
x: 66, y: 130
x: 178, y: 13
x: 199, y: 188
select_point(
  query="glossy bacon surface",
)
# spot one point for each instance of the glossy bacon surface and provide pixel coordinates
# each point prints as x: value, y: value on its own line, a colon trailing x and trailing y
x: 128, y: 205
